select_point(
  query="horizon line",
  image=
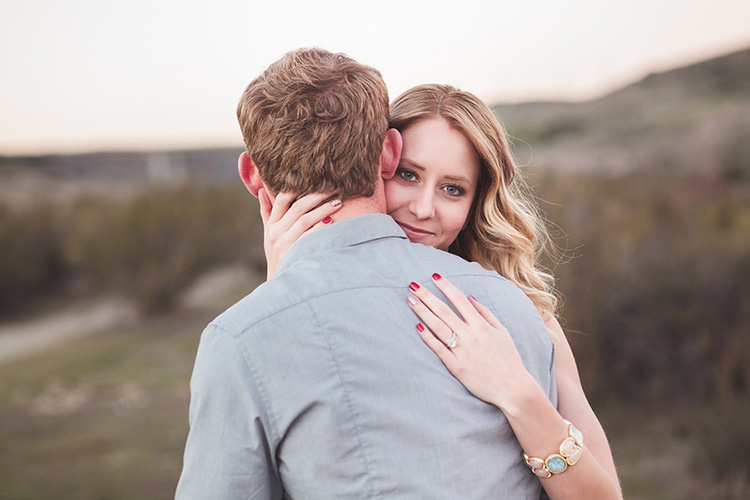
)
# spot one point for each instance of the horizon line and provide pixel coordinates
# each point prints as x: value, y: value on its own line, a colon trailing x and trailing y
x: 204, y: 143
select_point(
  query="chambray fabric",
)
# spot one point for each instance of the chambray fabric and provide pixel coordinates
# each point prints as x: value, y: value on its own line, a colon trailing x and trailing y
x: 317, y: 385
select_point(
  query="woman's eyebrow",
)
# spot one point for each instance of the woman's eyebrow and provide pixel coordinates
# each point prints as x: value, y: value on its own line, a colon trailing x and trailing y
x: 458, y: 178
x: 417, y: 166
x: 412, y: 164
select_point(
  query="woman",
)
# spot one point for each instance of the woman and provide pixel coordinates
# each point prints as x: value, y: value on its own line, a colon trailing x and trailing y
x: 457, y: 189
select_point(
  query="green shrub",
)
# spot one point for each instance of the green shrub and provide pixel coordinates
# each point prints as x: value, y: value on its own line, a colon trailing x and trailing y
x: 657, y: 285
x: 31, y: 260
x: 148, y: 248
x: 724, y: 438
x: 153, y: 247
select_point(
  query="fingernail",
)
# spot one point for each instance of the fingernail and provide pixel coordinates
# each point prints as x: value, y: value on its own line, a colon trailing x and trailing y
x: 412, y: 301
x: 327, y: 220
x: 414, y: 286
x: 471, y: 297
x: 436, y: 276
x: 420, y: 327
x: 336, y: 203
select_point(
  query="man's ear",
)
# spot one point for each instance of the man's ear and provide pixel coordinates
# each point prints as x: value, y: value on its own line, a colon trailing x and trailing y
x: 391, y: 153
x: 249, y: 174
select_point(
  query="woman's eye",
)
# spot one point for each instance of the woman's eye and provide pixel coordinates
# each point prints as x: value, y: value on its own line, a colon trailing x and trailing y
x: 454, y: 190
x: 407, y: 175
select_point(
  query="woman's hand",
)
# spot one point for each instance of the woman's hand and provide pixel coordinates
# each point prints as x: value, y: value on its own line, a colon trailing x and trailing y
x: 286, y: 220
x: 484, y: 359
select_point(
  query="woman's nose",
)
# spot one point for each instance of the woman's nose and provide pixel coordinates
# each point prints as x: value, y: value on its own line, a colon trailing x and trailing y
x: 422, y: 207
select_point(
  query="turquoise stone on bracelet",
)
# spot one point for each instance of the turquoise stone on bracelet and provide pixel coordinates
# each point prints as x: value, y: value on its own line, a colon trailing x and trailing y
x: 570, y: 453
x: 556, y: 464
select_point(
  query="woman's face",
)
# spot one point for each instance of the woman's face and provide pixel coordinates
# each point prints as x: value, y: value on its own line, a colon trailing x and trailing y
x: 433, y: 188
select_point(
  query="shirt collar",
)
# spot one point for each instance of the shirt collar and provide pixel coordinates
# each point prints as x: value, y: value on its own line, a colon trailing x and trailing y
x: 344, y: 233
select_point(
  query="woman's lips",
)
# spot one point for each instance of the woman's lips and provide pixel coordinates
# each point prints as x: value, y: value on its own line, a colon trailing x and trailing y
x: 414, y: 233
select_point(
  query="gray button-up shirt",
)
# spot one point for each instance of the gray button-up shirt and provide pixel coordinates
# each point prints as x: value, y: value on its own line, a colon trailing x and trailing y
x: 317, y: 385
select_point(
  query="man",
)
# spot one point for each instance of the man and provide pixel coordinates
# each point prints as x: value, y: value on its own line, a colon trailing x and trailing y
x: 316, y: 385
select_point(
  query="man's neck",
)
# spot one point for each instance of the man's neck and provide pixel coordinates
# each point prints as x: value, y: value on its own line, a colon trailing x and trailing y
x: 374, y: 204
x: 356, y: 207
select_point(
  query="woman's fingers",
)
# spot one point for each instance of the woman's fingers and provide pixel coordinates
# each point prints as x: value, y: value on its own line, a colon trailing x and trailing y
x: 314, y: 219
x: 441, y: 309
x: 441, y: 319
x: 474, y: 316
x: 456, y: 297
x: 285, y: 220
x: 485, y: 312
x: 303, y: 205
x: 298, y: 215
x: 287, y: 209
x: 265, y: 205
x: 280, y: 206
x: 438, y: 347
x: 484, y: 359
x: 435, y: 323
x: 469, y: 306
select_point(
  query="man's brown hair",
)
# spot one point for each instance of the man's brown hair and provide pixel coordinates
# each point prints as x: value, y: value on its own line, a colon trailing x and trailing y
x: 315, y: 121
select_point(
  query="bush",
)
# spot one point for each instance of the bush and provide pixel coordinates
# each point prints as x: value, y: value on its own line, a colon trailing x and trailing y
x: 724, y: 438
x: 657, y: 285
x: 156, y: 245
x: 31, y: 260
x: 149, y: 248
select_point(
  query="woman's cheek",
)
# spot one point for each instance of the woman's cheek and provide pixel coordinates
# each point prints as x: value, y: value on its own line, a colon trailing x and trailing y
x: 394, y: 194
x: 458, y: 216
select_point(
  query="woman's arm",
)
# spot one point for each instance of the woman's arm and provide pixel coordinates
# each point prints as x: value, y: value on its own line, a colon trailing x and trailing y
x: 486, y: 361
x: 572, y: 402
x: 285, y: 220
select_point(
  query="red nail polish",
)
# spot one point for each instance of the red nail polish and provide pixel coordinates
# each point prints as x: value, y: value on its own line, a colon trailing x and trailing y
x: 436, y: 276
x: 471, y: 297
x: 420, y: 327
x: 327, y: 220
x: 414, y: 286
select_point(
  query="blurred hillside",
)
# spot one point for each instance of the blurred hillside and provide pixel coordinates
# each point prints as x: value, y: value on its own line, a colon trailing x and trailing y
x: 693, y: 120
x: 26, y: 180
x: 686, y: 121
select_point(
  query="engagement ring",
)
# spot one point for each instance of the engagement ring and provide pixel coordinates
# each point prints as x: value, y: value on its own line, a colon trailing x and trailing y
x: 451, y: 342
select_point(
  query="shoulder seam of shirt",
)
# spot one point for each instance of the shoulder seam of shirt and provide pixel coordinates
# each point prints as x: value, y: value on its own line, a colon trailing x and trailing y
x: 255, y: 380
x: 340, y: 290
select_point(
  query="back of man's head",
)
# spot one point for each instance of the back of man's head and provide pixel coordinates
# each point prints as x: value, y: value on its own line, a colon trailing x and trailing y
x: 315, y: 121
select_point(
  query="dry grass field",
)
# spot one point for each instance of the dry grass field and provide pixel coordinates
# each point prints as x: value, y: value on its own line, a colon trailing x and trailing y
x: 105, y: 418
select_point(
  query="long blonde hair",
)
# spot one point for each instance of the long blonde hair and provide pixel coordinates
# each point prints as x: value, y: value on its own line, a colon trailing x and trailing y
x: 504, y: 231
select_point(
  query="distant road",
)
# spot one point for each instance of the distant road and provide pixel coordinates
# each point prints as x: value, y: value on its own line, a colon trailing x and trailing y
x: 21, y: 339
x: 215, y: 290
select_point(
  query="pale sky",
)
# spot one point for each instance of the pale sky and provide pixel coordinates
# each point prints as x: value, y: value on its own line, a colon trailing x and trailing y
x: 87, y: 75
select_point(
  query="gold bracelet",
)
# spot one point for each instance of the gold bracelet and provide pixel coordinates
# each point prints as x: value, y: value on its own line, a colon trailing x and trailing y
x: 571, y: 449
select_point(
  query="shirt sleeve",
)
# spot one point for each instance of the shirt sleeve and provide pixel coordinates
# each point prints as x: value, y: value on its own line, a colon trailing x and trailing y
x: 228, y: 454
